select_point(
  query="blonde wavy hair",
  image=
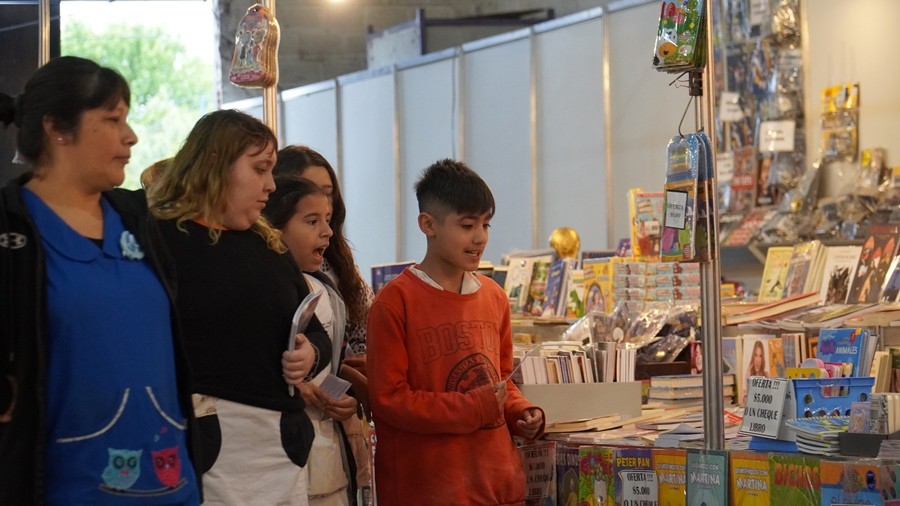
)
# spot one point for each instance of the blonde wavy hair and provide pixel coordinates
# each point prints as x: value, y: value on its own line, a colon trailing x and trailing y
x: 193, y: 184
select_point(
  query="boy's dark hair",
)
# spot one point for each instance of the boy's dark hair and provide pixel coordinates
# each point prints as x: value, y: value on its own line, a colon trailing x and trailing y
x: 451, y: 186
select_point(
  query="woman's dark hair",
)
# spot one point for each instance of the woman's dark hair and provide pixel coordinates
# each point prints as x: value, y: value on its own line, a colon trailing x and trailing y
x: 295, y: 160
x: 61, y: 90
x: 282, y: 205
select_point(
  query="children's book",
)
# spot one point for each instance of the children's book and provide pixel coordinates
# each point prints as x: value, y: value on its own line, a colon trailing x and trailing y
x: 844, y: 346
x: 775, y: 272
x: 598, y: 293
x: 596, y: 482
x: 749, y: 482
x: 300, y: 321
x: 518, y: 280
x: 776, y: 358
x: 636, y: 481
x: 707, y: 477
x: 567, y: 474
x: 840, y: 266
x: 792, y: 344
x: 732, y: 355
x: 382, y: 274
x: 537, y: 289
x: 852, y: 482
x: 573, y: 294
x: 799, y: 267
x: 878, y: 251
x: 556, y: 276
x: 795, y: 479
x: 670, y: 465
x: 646, y: 210
x: 539, y: 462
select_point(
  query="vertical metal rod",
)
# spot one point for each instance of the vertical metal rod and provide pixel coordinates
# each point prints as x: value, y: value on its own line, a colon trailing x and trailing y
x: 44, y: 29
x: 534, y: 140
x: 270, y: 93
x: 461, y: 103
x: 338, y: 133
x: 398, y: 166
x: 607, y: 133
x: 710, y: 277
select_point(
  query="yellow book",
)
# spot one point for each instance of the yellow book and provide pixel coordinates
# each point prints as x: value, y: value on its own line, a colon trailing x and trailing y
x: 775, y: 272
x: 670, y: 464
x: 598, y: 296
x: 749, y: 479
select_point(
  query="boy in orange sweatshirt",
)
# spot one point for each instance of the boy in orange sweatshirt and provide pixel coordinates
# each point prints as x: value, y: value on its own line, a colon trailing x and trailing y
x: 439, y: 356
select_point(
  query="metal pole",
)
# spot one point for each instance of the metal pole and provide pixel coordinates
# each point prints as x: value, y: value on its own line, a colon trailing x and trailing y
x: 270, y: 93
x: 44, y: 36
x: 710, y: 295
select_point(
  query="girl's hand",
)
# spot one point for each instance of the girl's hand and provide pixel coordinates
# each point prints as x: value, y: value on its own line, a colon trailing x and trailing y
x: 296, y: 364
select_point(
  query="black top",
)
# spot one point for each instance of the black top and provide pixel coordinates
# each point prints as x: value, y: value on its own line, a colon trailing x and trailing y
x: 236, y: 299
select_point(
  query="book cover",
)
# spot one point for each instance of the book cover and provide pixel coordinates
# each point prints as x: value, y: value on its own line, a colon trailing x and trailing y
x: 598, y: 294
x: 840, y: 267
x: 574, y: 294
x: 539, y: 463
x: 749, y: 473
x: 670, y: 465
x: 696, y: 357
x: 596, y: 483
x: 776, y: 357
x: 799, y: 267
x: 843, y: 346
x: 775, y: 272
x: 382, y: 274
x: 646, y: 212
x: 707, y: 478
x: 851, y: 482
x: 537, y: 288
x: 791, y: 343
x: 518, y: 280
x: 756, y: 358
x: 890, y: 292
x: 795, y: 479
x: 745, y: 231
x: 743, y: 182
x: 878, y: 251
x: 567, y: 474
x: 555, y: 278
x: 635, y: 479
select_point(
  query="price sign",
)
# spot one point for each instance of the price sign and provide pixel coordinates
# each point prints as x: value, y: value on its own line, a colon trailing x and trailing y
x: 639, y: 487
x: 764, y: 414
x: 730, y: 107
x: 776, y: 136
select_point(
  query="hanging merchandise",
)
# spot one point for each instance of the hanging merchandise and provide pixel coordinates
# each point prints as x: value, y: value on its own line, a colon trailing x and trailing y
x: 680, y: 39
x: 840, y: 122
x: 255, y: 62
x: 679, y: 238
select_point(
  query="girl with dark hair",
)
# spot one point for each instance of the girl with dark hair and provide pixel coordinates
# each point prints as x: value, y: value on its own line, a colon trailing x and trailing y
x: 237, y: 293
x: 95, y: 404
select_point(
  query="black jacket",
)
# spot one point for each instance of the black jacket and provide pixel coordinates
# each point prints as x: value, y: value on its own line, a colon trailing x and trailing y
x: 23, y: 337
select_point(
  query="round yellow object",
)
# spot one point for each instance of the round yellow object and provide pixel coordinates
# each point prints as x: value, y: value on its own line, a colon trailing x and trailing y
x: 566, y: 242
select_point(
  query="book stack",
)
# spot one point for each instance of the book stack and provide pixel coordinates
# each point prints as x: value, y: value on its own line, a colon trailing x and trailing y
x: 818, y: 435
x: 684, y: 390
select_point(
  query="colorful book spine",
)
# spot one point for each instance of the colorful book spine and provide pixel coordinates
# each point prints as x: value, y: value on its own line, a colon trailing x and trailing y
x: 567, y: 474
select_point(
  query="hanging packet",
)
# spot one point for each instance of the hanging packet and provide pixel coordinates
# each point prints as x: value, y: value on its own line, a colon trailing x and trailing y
x: 255, y: 61
x: 705, y: 179
x: 681, y: 36
x: 679, y: 221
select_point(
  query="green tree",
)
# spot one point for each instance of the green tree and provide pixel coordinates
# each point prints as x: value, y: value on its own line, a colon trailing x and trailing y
x: 170, y: 89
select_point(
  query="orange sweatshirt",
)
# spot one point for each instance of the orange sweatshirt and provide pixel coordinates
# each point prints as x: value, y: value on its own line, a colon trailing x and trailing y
x: 433, y: 357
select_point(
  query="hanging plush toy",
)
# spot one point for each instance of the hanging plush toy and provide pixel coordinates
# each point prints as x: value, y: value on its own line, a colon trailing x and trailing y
x: 255, y: 62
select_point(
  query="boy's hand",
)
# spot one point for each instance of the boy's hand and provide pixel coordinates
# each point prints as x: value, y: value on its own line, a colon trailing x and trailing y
x: 530, y: 424
x: 297, y: 363
x: 501, y: 394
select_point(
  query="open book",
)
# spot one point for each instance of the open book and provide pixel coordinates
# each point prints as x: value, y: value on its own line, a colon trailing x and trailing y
x: 302, y: 317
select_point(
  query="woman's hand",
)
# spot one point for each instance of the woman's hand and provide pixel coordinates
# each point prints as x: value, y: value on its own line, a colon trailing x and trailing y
x: 339, y: 409
x: 296, y: 364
